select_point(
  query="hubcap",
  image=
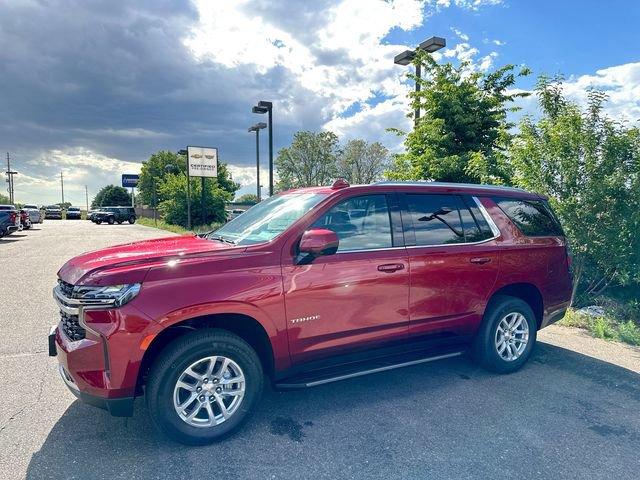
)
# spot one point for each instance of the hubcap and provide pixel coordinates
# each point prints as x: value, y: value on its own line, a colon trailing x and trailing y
x: 209, y: 391
x: 512, y: 336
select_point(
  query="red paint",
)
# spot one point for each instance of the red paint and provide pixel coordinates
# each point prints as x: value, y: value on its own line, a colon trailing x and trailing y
x: 334, y: 304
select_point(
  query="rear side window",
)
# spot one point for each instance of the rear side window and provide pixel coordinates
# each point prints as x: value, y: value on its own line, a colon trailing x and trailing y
x: 445, y: 219
x: 533, y: 217
x: 361, y: 223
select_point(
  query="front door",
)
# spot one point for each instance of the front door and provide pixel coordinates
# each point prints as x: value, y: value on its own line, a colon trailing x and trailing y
x: 454, y: 263
x: 357, y: 297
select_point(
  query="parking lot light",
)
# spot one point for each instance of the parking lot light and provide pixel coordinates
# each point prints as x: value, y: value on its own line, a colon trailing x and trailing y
x: 261, y: 108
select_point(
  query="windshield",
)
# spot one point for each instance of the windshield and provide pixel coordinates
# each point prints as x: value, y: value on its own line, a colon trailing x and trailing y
x: 268, y: 219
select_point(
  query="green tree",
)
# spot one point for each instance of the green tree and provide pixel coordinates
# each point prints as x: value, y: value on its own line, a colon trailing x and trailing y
x: 4, y: 200
x: 589, y: 166
x: 111, y: 195
x: 360, y: 162
x: 463, y: 133
x: 249, y: 198
x: 173, y: 189
x: 310, y: 160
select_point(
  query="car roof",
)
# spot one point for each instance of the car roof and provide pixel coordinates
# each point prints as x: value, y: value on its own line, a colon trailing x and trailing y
x: 7, y: 207
x: 431, y: 187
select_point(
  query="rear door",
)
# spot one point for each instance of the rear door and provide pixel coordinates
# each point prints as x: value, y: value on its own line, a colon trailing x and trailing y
x: 453, y: 260
x: 357, y: 297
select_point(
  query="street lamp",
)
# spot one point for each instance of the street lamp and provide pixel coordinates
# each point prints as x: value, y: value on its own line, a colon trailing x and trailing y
x: 430, y: 45
x: 256, y: 128
x: 267, y: 107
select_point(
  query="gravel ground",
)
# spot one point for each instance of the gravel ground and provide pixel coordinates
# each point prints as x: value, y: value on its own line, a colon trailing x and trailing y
x: 572, y: 412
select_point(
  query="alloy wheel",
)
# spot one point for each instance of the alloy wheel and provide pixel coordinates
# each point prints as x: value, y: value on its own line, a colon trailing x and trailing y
x: 512, y: 336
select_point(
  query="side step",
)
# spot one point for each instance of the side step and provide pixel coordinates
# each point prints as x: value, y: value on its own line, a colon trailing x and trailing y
x: 359, y: 369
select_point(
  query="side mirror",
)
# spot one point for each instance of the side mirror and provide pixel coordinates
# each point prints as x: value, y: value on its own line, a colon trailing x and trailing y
x: 318, y: 241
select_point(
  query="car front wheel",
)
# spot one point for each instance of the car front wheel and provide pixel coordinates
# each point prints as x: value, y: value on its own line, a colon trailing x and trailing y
x: 507, y: 335
x: 132, y: 220
x: 111, y: 221
x: 203, y: 386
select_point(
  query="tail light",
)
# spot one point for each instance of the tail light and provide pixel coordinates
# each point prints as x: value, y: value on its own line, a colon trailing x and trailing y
x: 12, y: 216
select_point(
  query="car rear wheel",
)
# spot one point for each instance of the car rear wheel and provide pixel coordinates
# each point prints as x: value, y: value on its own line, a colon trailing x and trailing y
x: 203, y: 386
x: 507, y: 335
x: 132, y: 220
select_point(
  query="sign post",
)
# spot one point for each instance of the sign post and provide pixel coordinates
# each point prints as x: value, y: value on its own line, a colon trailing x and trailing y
x: 130, y: 180
x: 201, y: 162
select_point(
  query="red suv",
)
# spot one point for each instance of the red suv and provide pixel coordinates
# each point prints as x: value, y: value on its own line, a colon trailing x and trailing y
x: 308, y: 287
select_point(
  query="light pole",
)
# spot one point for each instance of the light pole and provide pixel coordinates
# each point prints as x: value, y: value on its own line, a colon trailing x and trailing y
x: 256, y: 128
x: 267, y: 107
x: 430, y: 45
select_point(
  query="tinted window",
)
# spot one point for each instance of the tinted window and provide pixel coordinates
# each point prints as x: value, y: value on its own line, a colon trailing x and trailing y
x: 483, y: 227
x: 533, y: 218
x: 361, y: 223
x: 436, y: 219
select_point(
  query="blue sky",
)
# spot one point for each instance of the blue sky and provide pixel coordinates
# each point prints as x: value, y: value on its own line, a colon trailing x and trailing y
x: 94, y: 88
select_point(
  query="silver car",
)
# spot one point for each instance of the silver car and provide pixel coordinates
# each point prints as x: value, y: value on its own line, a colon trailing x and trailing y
x: 35, y: 215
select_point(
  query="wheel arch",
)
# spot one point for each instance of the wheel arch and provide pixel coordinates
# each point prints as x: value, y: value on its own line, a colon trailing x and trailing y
x: 245, y: 326
x: 526, y: 292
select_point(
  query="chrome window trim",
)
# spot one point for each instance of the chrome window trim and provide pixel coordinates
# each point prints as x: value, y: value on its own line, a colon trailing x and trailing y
x: 494, y: 228
x: 369, y: 250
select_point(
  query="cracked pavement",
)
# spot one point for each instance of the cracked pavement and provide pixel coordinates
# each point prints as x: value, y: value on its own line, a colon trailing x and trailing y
x: 572, y: 412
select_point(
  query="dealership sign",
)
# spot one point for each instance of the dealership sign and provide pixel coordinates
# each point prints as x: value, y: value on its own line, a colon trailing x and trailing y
x: 130, y: 180
x: 202, y: 161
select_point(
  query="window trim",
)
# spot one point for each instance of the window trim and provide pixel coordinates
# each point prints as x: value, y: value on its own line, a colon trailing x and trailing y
x: 483, y: 211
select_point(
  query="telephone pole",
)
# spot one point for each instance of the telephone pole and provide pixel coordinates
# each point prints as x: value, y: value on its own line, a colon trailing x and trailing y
x: 62, y: 186
x: 86, y: 197
x: 10, y: 174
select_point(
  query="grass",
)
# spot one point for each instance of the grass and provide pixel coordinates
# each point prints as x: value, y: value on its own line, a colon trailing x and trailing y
x: 614, y: 324
x: 162, y: 225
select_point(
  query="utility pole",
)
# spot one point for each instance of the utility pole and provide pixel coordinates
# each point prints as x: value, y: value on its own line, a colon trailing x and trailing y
x: 86, y: 197
x: 62, y: 187
x: 10, y: 174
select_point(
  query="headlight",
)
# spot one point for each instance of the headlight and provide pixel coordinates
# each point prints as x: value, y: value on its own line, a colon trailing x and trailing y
x: 118, y: 294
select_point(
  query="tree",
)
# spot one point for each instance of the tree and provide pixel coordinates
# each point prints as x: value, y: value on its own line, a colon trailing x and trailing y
x: 111, y: 195
x: 249, y: 198
x: 589, y: 166
x: 173, y: 189
x: 463, y: 132
x: 4, y: 200
x: 360, y: 162
x: 309, y: 161
x: 154, y: 170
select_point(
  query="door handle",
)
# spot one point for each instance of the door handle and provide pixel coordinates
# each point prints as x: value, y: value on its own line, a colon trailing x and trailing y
x: 390, y: 267
x: 480, y: 260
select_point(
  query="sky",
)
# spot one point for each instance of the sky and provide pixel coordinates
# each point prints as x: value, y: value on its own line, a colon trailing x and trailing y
x: 93, y: 88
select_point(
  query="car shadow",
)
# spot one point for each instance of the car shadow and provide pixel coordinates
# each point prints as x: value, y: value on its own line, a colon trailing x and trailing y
x: 445, y: 414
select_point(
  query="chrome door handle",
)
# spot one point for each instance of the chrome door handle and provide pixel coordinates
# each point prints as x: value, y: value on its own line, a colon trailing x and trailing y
x: 390, y: 267
x: 480, y: 260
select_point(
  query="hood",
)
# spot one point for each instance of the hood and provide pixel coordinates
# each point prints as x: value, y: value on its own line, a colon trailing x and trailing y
x: 137, y: 254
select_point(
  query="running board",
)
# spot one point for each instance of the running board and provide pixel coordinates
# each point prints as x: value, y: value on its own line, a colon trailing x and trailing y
x: 321, y: 377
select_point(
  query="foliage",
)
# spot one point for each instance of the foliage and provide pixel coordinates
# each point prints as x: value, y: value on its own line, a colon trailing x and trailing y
x: 360, y: 162
x: 173, y: 208
x: 310, y: 160
x: 589, y: 166
x: 249, y: 198
x: 462, y: 133
x: 610, y: 326
x: 162, y: 225
x: 111, y: 195
x: 4, y: 200
x: 154, y: 170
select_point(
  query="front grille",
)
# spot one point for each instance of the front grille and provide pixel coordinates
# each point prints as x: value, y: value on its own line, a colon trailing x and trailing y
x: 67, y: 288
x: 71, y: 326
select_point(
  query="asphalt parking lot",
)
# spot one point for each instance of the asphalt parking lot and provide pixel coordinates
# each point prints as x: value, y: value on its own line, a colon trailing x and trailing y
x: 565, y: 415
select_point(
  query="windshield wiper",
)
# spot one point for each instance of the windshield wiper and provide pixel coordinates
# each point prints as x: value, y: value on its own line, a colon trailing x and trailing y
x: 220, y: 238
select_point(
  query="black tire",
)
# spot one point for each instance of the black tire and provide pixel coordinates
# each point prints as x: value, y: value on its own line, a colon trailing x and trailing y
x: 484, y: 349
x: 119, y: 222
x: 98, y: 222
x: 111, y: 221
x: 176, y: 358
x: 132, y: 220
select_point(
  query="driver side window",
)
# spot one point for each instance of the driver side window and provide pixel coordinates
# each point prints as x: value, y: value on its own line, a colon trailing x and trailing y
x: 361, y: 223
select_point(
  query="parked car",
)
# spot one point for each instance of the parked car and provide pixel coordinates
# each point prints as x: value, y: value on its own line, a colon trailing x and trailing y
x: 90, y: 214
x: 9, y: 220
x: 113, y: 215
x: 74, y: 213
x: 53, y: 212
x: 309, y: 287
x: 231, y: 214
x: 25, y: 220
x: 35, y: 215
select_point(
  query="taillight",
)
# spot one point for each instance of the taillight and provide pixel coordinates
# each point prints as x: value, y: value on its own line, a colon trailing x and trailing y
x: 12, y: 216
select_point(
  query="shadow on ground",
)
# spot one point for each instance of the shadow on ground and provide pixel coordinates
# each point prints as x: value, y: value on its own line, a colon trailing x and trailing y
x: 562, y: 416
